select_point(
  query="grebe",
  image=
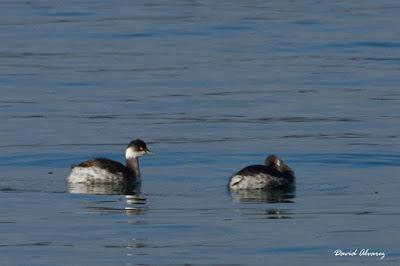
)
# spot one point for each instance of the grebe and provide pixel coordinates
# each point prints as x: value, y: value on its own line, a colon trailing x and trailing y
x: 102, y: 170
x: 273, y: 174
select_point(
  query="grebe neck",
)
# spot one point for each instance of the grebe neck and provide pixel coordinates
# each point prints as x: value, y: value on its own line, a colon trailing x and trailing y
x: 133, y: 166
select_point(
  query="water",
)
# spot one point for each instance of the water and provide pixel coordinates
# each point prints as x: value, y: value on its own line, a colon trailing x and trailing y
x: 212, y: 86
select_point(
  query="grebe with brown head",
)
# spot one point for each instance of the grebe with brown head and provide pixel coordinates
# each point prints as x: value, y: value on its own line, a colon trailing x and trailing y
x: 101, y: 170
x: 274, y: 173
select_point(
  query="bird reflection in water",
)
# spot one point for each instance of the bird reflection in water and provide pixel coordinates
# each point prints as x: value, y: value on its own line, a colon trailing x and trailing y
x: 104, y: 188
x: 131, y: 192
x: 278, y: 214
x: 277, y: 195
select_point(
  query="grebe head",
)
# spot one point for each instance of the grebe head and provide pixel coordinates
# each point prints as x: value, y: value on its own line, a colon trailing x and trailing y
x: 136, y: 148
x: 273, y: 161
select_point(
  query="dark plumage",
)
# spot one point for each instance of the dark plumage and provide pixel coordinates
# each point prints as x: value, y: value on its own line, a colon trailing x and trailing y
x: 138, y: 144
x: 112, y: 166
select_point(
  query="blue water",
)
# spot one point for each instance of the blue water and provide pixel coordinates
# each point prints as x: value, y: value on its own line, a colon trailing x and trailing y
x: 211, y: 86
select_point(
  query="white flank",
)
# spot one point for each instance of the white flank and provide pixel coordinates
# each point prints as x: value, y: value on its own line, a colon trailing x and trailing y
x: 257, y: 181
x: 93, y: 175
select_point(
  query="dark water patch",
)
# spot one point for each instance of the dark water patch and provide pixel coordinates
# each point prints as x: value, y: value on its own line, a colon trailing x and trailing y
x: 113, y: 69
x: 381, y: 44
x: 364, y: 44
x: 364, y: 213
x: 76, y: 84
x: 278, y: 214
x: 148, y: 17
x: 352, y: 159
x: 33, y: 244
x: 238, y: 92
x: 36, y: 244
x: 395, y: 59
x: 297, y: 250
x: 8, y: 189
x: 38, y: 66
x: 307, y: 91
x: 229, y: 28
x: 261, y: 120
x: 353, y: 231
x: 26, y: 190
x: 61, y: 144
x: 389, y: 116
x: 137, y: 35
x: 38, y: 22
x: 384, y: 99
x: 301, y: 119
x: 152, y: 246
x: 191, y: 140
x: 199, y: 210
x: 70, y: 116
x: 218, y: 93
x: 351, y: 213
x: 363, y: 144
x: 197, y: 245
x: 130, y: 222
x: 42, y: 145
x: 102, y: 117
x: 129, y: 246
x: 269, y: 213
x: 33, y: 116
x: 353, y: 90
x: 27, y: 116
x: 163, y: 34
x: 330, y: 136
x: 307, y: 22
x: 38, y: 160
x: 178, y: 95
x: 68, y: 14
x: 314, y: 119
x: 124, y: 54
x: 33, y: 54
x: 131, y: 100
x: 332, y: 188
x: 204, y: 119
x: 18, y: 102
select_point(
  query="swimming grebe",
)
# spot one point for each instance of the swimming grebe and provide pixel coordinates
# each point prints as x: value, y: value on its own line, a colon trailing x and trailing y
x: 274, y: 173
x: 102, y: 170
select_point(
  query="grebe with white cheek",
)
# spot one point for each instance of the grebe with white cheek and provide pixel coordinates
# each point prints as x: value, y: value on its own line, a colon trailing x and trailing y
x: 101, y: 170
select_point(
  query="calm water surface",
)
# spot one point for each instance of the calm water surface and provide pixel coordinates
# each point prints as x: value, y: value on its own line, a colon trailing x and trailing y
x: 212, y: 86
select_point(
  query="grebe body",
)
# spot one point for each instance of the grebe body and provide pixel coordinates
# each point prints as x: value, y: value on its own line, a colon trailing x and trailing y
x: 101, y: 170
x: 274, y: 173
